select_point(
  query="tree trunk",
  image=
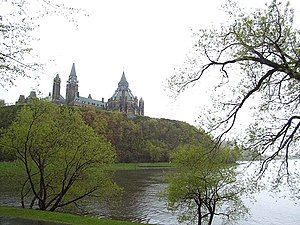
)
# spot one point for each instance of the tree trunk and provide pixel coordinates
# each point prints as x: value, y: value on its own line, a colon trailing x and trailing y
x: 212, y: 213
x: 42, y: 197
x: 32, y: 202
x: 211, y: 216
x: 199, y: 214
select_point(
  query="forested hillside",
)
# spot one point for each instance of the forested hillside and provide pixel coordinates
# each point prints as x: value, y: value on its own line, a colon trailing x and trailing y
x: 136, y: 139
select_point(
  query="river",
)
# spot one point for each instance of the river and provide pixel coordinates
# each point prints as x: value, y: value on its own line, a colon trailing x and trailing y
x: 141, y: 202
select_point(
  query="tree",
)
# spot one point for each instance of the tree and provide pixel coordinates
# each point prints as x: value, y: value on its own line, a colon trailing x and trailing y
x: 18, y: 20
x: 258, y: 58
x: 63, y: 159
x: 141, y: 139
x: 206, y: 185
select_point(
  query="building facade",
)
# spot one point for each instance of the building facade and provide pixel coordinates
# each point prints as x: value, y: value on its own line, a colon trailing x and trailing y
x: 122, y: 100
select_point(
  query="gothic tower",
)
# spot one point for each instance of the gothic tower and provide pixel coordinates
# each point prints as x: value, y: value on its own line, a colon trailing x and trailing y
x: 72, y: 87
x: 123, y: 100
x: 123, y: 88
x: 141, y: 107
x: 56, y: 89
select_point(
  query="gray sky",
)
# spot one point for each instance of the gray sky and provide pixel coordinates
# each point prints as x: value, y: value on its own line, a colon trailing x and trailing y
x: 146, y: 38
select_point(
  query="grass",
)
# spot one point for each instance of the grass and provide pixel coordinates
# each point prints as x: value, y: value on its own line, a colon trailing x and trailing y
x: 10, y: 168
x: 57, y: 217
x: 139, y: 166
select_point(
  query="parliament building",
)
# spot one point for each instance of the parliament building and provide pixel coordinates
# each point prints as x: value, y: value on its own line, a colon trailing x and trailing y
x: 122, y: 100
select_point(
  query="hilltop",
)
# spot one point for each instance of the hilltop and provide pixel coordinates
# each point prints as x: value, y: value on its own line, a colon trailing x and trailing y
x: 136, y: 139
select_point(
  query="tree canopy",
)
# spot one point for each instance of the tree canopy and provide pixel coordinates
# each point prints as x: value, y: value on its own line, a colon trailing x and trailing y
x: 142, y: 139
x: 139, y: 139
x: 205, y: 185
x: 258, y: 58
x: 63, y: 160
x: 18, y: 21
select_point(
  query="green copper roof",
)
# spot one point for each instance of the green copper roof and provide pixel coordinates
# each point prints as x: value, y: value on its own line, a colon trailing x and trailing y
x: 123, y: 82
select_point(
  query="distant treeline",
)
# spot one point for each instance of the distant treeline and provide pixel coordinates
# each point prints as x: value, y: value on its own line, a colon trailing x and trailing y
x: 136, y: 139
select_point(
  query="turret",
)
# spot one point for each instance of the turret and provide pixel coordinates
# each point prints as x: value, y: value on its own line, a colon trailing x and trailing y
x: 32, y: 95
x: 136, y: 105
x: 21, y: 100
x: 141, y: 107
x: 56, y: 89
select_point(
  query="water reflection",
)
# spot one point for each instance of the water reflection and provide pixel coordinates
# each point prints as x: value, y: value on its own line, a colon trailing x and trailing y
x: 140, y: 202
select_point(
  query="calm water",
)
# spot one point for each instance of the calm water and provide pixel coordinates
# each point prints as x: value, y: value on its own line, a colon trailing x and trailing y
x: 141, y: 202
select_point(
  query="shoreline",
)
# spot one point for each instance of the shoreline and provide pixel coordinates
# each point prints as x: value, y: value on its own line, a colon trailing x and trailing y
x: 58, y: 217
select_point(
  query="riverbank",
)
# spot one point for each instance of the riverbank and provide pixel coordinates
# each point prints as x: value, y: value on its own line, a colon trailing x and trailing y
x: 6, y: 167
x: 13, y: 172
x: 57, y: 217
x: 140, y: 166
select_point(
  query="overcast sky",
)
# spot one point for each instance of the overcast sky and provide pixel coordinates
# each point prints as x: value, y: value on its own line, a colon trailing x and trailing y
x: 145, y: 38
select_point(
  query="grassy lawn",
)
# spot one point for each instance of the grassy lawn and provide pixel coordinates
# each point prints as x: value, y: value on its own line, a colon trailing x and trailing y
x: 140, y: 166
x: 6, y: 168
x: 63, y: 218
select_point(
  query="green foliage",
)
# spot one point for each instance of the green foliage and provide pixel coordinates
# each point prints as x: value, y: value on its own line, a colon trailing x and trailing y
x: 253, y: 60
x: 11, y: 173
x: 204, y: 185
x: 142, y: 139
x: 7, y: 115
x: 19, y: 19
x: 62, y: 157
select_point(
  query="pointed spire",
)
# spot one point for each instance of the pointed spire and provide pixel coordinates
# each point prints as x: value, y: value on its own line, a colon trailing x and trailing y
x: 73, y: 70
x: 123, y: 81
x: 57, y: 79
x: 73, y: 76
x: 123, y: 78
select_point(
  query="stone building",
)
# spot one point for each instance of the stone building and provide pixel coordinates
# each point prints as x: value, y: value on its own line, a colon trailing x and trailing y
x: 22, y: 100
x: 122, y: 100
x: 2, y: 103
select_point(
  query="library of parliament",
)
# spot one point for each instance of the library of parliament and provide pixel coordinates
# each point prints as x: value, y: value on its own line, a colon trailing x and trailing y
x: 122, y: 100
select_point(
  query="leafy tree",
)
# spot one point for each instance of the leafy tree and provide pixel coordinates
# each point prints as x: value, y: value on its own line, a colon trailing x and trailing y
x: 258, y: 58
x: 63, y: 159
x: 18, y: 20
x: 157, y: 150
x: 142, y: 139
x: 205, y: 185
